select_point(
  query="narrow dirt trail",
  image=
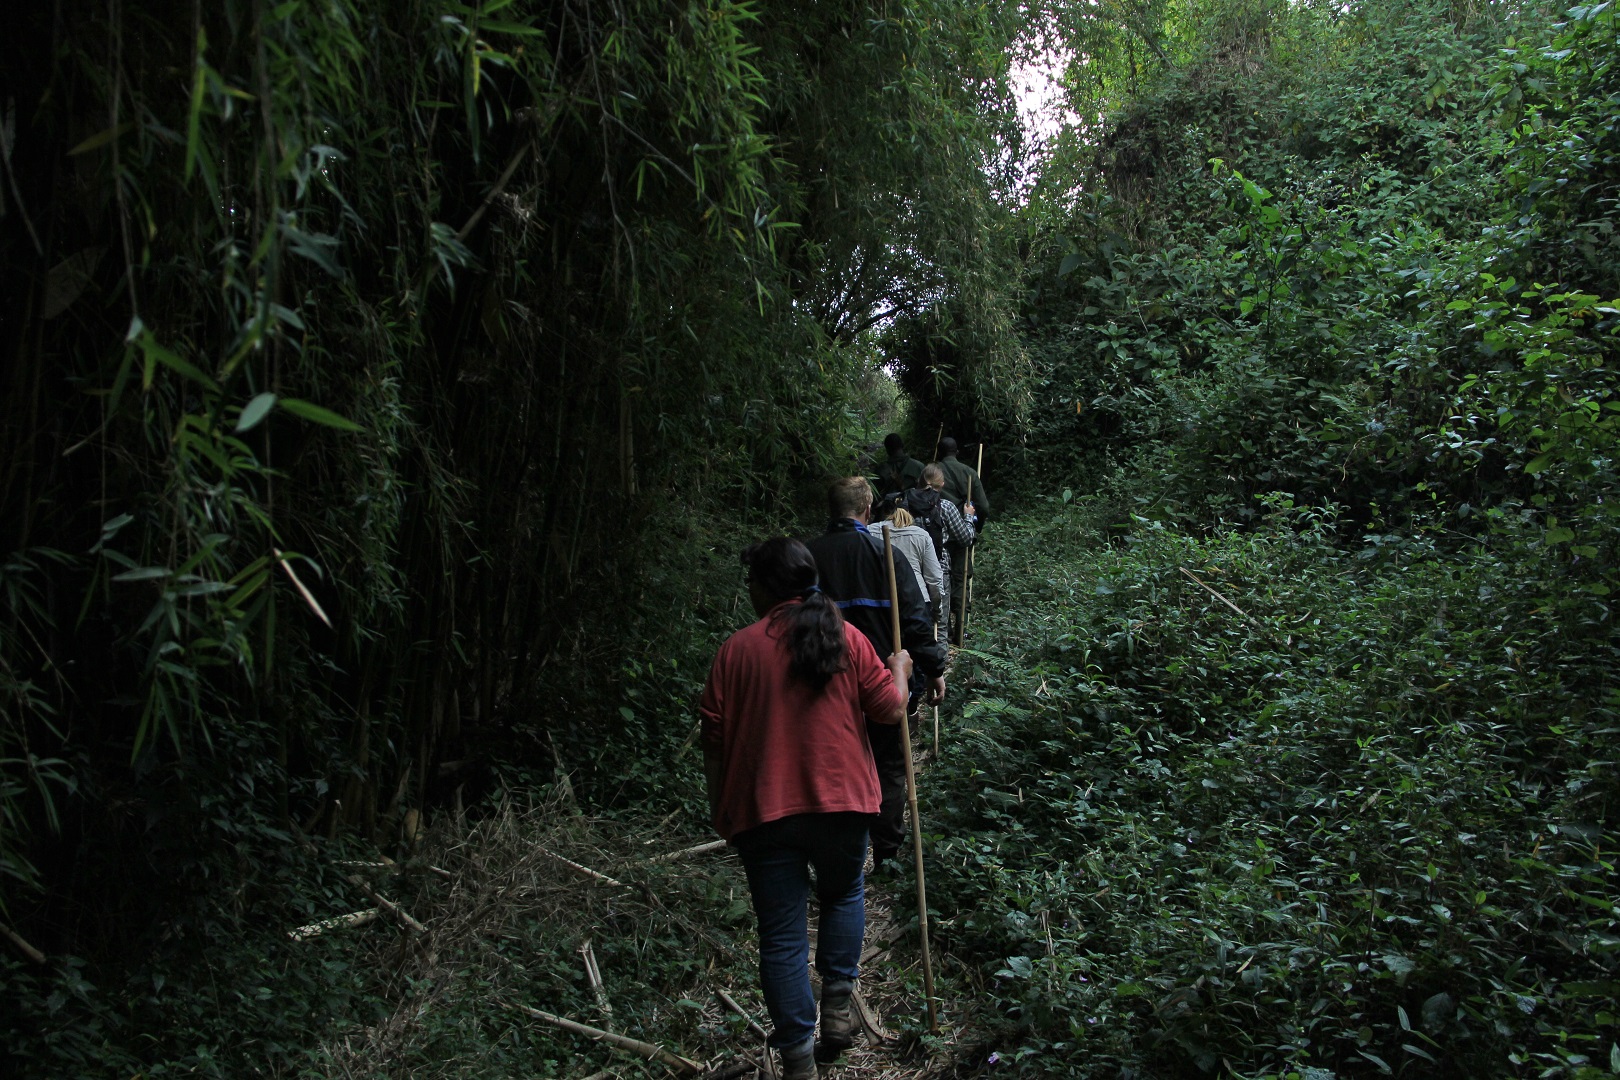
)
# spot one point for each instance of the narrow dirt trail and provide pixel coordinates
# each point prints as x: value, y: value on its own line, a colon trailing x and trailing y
x: 890, y: 986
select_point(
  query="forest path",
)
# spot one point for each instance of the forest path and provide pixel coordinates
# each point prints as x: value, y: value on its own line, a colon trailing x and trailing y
x: 891, y: 969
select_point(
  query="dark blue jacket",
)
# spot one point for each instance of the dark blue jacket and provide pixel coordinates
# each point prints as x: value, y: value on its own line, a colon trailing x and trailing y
x: 850, y: 562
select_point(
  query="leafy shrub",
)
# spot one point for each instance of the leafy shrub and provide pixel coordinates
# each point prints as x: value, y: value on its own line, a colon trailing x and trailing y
x: 1362, y: 825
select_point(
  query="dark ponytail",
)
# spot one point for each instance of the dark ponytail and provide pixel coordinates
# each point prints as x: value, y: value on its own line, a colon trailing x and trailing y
x: 784, y: 569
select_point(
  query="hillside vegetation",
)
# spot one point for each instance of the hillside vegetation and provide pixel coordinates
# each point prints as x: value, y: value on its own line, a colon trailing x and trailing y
x: 393, y: 385
x: 1291, y: 747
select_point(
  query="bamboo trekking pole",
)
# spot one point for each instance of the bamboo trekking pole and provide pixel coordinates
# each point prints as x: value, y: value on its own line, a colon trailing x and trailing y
x: 967, y: 571
x: 967, y: 585
x: 911, y: 793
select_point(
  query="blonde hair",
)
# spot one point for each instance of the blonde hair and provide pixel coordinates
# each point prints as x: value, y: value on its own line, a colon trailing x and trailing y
x: 849, y: 497
x: 901, y: 518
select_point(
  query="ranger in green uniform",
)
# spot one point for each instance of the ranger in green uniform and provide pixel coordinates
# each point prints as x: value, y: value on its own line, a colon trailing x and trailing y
x: 900, y: 471
x: 962, y: 483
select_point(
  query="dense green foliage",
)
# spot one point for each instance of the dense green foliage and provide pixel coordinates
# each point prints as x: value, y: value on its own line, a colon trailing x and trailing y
x: 1291, y: 750
x: 1364, y: 826
x: 393, y: 384
x: 382, y: 375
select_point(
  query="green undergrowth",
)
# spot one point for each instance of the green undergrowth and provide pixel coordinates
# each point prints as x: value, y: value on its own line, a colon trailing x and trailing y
x: 506, y: 902
x: 1267, y: 804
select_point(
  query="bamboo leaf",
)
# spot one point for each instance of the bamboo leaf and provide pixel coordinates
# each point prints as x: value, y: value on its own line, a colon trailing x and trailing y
x: 199, y: 83
x: 255, y: 411
x: 316, y: 414
x: 101, y: 138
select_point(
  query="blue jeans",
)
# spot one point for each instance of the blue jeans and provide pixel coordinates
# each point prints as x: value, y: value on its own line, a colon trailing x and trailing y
x: 777, y: 857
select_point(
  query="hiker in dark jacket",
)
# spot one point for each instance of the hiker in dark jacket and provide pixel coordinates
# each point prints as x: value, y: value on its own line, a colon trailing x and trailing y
x: 900, y: 471
x: 962, y: 484
x: 849, y: 560
x: 927, y: 502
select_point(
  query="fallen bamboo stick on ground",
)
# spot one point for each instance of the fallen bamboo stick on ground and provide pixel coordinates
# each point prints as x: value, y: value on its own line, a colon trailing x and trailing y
x: 645, y: 1049
x: 874, y: 1031
x: 731, y: 1004
x: 396, y: 867
x: 701, y: 849
x: 585, y: 870
x: 593, y: 975
x: 354, y: 918
x: 386, y: 904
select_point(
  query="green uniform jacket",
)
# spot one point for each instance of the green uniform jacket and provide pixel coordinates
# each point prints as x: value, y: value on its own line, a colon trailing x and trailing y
x: 898, y: 474
x: 961, y: 481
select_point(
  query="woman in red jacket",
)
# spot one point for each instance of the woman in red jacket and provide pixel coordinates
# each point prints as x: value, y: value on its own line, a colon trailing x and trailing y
x: 792, y: 786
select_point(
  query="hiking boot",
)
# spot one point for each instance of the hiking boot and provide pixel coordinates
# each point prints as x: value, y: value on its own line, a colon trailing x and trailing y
x: 799, y: 1062
x: 837, y: 1020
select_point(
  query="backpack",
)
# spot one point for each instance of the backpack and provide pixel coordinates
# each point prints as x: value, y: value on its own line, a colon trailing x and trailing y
x: 923, y: 505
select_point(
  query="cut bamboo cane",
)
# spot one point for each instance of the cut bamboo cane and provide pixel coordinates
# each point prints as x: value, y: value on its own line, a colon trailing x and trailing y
x: 701, y: 849
x: 874, y: 1031
x: 730, y: 1003
x: 643, y: 1049
x: 967, y: 573
x: 583, y: 870
x: 22, y: 946
x: 936, y: 732
x: 1287, y: 643
x: 396, y: 867
x: 354, y: 918
x: 697, y: 729
x: 911, y: 793
x: 393, y: 909
x: 593, y: 975
x: 962, y: 601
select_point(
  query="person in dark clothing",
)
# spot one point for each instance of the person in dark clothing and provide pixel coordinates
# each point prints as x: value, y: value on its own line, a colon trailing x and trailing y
x: 962, y: 485
x: 965, y: 491
x: 849, y: 560
x: 900, y: 471
x: 956, y: 537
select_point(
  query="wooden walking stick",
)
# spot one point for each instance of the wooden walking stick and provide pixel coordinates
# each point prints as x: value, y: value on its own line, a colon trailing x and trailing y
x: 967, y: 570
x: 911, y: 793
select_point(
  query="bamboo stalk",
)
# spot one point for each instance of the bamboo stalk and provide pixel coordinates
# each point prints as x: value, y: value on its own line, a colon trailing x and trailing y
x: 386, y: 904
x: 962, y: 601
x: 354, y: 918
x: 593, y: 975
x: 396, y: 867
x: 911, y: 793
x: 701, y: 849
x: 1244, y: 615
x: 584, y: 870
x: 730, y: 1003
x: 967, y: 572
x: 645, y: 1049
x: 697, y: 728
x: 21, y: 945
x: 874, y: 1031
